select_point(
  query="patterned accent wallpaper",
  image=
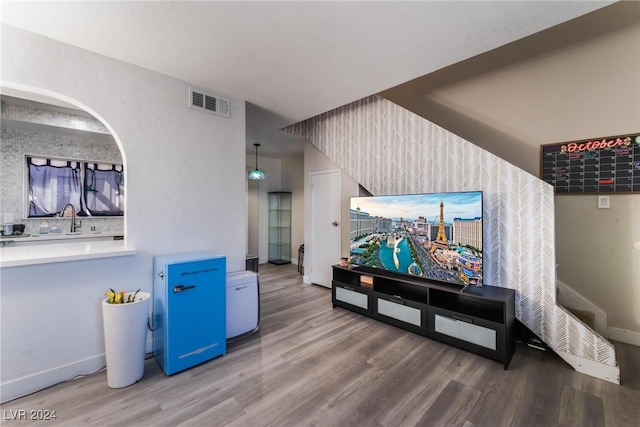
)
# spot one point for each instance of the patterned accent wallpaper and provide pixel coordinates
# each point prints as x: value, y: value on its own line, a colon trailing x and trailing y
x: 16, y: 143
x: 390, y: 150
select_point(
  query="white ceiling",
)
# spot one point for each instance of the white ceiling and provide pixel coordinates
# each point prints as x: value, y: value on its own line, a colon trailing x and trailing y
x: 291, y: 60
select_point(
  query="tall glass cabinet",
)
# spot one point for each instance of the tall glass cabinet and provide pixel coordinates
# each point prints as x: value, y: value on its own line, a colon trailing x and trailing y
x: 279, y: 227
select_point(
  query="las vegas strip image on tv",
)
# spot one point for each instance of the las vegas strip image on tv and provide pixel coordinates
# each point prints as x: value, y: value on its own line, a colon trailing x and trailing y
x: 436, y: 236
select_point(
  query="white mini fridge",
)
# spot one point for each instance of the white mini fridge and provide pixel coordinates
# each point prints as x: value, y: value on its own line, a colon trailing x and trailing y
x: 189, y: 309
x: 243, y: 304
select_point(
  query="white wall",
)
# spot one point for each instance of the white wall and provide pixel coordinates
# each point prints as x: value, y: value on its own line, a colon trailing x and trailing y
x: 185, y: 192
x: 281, y: 174
x: 271, y: 168
x: 596, y: 257
x: 293, y: 180
x: 252, y: 187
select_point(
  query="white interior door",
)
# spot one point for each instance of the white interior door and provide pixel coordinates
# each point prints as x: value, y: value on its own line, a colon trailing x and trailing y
x: 324, y: 248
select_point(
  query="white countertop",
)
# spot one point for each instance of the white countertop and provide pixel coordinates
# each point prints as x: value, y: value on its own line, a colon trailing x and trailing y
x: 80, y: 249
x: 62, y: 236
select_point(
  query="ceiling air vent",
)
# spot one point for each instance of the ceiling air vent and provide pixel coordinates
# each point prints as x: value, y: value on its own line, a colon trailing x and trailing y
x: 199, y: 100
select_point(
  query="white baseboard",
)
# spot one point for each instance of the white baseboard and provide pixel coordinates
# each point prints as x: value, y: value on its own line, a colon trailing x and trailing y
x: 622, y: 335
x: 35, y: 382
x: 19, y: 387
x: 592, y: 368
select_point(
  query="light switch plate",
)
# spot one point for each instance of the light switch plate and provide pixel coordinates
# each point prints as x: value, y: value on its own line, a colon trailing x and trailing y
x: 603, y: 202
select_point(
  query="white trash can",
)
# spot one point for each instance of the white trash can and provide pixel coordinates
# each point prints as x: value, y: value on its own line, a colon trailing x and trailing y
x: 243, y: 304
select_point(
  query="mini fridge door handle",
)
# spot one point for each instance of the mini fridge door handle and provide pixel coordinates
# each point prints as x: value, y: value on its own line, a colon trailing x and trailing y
x: 180, y: 288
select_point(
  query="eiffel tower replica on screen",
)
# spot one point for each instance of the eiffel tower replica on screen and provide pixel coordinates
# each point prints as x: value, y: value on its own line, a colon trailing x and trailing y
x: 441, y: 241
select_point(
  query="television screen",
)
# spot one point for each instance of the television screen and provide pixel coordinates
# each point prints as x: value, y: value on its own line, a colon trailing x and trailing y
x: 436, y: 236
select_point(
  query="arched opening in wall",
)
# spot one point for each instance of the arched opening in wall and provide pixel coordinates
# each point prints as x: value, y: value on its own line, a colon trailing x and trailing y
x: 63, y: 170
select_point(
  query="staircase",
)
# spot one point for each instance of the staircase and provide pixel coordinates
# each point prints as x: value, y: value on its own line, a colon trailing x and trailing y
x: 581, y: 308
x: 390, y: 150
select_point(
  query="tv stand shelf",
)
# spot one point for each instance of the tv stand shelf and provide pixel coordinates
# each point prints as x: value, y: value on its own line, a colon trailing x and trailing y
x: 480, y: 319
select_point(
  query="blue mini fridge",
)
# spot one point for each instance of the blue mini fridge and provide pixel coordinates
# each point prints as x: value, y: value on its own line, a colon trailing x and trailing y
x: 189, y: 309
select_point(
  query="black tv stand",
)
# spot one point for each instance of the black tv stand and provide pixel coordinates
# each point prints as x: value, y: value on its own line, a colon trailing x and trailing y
x: 477, y: 319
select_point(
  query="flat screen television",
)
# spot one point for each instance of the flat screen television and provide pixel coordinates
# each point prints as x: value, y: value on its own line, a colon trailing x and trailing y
x: 435, y: 236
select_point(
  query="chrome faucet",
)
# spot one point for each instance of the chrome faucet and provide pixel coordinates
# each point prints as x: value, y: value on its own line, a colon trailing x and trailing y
x: 73, y: 216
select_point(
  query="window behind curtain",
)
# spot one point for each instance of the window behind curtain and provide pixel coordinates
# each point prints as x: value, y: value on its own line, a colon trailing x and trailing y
x: 53, y: 184
x: 104, y: 189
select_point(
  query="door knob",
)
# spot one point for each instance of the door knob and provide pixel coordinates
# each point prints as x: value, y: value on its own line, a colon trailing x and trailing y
x: 335, y: 223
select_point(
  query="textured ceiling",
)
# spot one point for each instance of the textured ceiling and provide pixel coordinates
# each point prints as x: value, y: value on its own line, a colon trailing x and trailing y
x: 291, y: 60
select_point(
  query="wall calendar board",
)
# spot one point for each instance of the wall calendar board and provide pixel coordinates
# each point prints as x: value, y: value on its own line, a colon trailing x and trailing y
x: 593, y: 166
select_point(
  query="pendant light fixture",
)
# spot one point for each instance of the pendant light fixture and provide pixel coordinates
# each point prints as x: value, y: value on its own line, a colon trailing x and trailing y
x: 256, y: 173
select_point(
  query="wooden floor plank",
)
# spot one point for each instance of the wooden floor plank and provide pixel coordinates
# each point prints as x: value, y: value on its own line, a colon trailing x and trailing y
x: 452, y: 406
x: 314, y: 365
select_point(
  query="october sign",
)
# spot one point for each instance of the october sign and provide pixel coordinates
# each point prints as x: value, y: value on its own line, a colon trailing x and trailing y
x: 593, y: 166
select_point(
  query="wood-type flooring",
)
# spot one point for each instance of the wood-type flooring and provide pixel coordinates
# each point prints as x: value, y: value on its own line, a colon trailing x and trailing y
x: 313, y: 365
